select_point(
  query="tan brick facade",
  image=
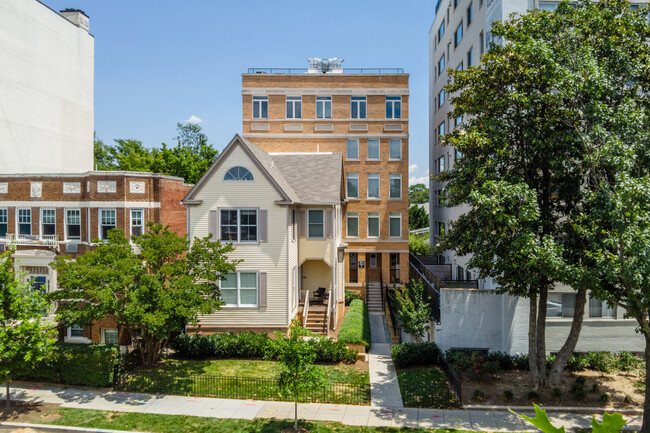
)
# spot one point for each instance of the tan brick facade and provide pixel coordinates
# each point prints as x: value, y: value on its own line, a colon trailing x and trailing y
x: 276, y: 133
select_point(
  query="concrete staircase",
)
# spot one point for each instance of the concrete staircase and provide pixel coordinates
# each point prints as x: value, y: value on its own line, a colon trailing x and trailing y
x: 373, y: 297
x: 317, y: 318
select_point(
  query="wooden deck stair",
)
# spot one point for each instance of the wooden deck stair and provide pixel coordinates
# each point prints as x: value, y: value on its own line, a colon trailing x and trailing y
x: 316, y: 319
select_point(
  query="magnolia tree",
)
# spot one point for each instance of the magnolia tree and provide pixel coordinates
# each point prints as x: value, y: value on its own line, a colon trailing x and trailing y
x: 25, y: 335
x: 538, y: 115
x: 157, y: 290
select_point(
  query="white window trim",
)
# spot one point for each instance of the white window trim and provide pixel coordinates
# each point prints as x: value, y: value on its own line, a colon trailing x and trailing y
x: 392, y: 176
x: 392, y: 102
x: 99, y: 221
x: 31, y: 220
x: 294, y: 286
x: 308, y: 224
x: 69, y: 336
x: 257, y: 219
x: 358, y: 102
x: 373, y: 215
x: 41, y: 223
x: 6, y: 213
x: 131, y: 220
x: 259, y: 100
x: 347, y: 153
x: 103, y: 336
x: 398, y: 216
x: 351, y: 176
x: 351, y: 215
x: 378, y: 158
x: 293, y: 101
x: 398, y: 140
x: 324, y: 103
x: 257, y: 288
x: 238, y: 180
x: 374, y: 176
x: 65, y: 223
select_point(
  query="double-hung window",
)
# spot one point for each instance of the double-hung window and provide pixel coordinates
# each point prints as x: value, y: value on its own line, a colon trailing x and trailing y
x: 107, y: 221
x: 110, y: 337
x: 441, y: 64
x: 358, y: 107
x: 73, y: 224
x: 294, y: 107
x: 315, y: 224
x: 395, y: 148
x: 352, y: 149
x: 373, y: 149
x: 137, y: 222
x: 393, y: 107
x: 458, y: 36
x: 48, y: 222
x: 24, y: 221
x: 239, y: 225
x: 598, y: 308
x: 75, y: 331
x: 260, y: 107
x: 373, y: 185
x: 353, y: 185
x: 353, y: 224
x: 239, y: 289
x: 323, y: 107
x: 3, y: 222
x: 373, y: 224
x: 395, y: 185
x: 395, y: 225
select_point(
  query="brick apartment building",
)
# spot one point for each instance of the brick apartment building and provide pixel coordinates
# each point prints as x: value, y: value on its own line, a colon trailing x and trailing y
x: 363, y: 114
x: 47, y: 215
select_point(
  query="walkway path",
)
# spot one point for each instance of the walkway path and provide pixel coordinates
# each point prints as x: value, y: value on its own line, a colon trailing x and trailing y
x: 479, y: 420
x: 384, y: 387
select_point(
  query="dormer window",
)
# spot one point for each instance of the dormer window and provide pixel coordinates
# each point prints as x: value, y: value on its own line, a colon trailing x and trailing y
x: 238, y: 173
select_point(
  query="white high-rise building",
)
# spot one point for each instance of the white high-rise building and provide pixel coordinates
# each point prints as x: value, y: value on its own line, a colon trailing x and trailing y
x: 481, y: 319
x: 46, y: 89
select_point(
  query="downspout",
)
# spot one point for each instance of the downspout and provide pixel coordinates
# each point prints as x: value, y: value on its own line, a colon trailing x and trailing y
x: 334, y: 293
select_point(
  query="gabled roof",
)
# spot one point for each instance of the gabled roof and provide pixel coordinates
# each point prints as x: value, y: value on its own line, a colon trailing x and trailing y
x: 298, y: 178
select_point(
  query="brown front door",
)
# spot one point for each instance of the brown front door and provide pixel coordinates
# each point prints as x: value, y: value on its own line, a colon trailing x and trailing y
x: 373, y: 267
x: 354, y: 272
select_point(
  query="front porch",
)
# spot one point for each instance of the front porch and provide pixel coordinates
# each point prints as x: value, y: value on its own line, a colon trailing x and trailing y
x: 316, y: 306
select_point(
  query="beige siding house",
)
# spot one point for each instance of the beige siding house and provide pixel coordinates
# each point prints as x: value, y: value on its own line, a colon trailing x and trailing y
x: 282, y: 212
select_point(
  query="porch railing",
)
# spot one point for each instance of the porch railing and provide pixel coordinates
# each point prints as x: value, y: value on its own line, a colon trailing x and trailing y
x: 305, y: 310
x: 21, y: 239
x: 329, y: 312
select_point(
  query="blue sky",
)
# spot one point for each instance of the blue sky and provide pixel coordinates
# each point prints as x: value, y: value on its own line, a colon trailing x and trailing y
x: 162, y: 62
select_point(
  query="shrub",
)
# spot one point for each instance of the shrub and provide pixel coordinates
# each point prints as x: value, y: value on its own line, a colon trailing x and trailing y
x: 580, y: 394
x: 521, y: 362
x: 351, y: 296
x: 550, y: 359
x: 478, y: 395
x: 577, y: 363
x: 556, y: 393
x: 356, y: 325
x: 594, y: 387
x: 476, y: 363
x: 532, y: 396
x: 508, y: 396
x: 604, y: 362
x: 604, y: 397
x: 627, y: 399
x: 505, y: 361
x: 78, y: 364
x: 251, y: 345
x: 411, y: 354
x: 628, y: 361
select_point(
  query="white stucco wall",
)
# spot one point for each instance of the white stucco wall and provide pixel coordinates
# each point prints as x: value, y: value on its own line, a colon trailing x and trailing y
x: 46, y: 91
x: 481, y: 319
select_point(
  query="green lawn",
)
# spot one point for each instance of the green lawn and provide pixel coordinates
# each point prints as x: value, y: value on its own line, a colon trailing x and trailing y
x: 244, y: 379
x: 425, y: 387
x: 176, y: 424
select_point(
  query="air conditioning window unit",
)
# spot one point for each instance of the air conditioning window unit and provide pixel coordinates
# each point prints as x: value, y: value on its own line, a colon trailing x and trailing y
x: 71, y: 248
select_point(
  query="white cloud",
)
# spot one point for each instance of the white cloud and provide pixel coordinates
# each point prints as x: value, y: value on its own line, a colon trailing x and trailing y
x: 422, y: 179
x: 194, y: 119
x: 413, y: 168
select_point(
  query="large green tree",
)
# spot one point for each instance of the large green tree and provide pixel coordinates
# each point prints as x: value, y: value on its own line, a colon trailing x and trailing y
x: 25, y: 335
x: 158, y: 289
x: 418, y: 194
x: 418, y: 218
x: 534, y: 112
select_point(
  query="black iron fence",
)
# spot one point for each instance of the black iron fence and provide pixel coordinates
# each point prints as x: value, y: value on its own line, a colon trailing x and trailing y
x: 247, y: 388
x: 452, y: 377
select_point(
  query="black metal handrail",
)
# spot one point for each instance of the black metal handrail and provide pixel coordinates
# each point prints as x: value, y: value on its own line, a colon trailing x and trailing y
x: 392, y: 310
x: 155, y: 382
x: 345, y: 70
x: 452, y: 377
x: 431, y: 283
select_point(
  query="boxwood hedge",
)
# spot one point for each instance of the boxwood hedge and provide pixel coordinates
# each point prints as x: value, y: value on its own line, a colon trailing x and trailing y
x: 356, y: 325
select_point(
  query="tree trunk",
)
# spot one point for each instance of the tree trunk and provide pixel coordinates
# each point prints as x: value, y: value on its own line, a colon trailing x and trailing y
x: 555, y: 375
x: 541, y: 337
x: 532, y: 344
x: 645, y: 427
x: 295, y: 407
x: 8, y: 402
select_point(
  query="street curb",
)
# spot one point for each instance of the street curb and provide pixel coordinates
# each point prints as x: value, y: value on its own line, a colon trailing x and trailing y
x: 570, y: 409
x: 56, y: 428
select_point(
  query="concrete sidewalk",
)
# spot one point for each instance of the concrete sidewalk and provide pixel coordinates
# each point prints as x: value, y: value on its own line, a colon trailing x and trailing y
x: 248, y: 409
x: 384, y: 387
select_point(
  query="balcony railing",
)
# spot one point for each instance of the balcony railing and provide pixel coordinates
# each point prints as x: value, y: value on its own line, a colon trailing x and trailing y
x: 30, y: 240
x: 345, y: 70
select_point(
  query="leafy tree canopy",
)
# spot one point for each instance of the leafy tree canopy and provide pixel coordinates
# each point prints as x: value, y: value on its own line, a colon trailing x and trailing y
x: 418, y: 194
x: 418, y: 218
x: 158, y: 290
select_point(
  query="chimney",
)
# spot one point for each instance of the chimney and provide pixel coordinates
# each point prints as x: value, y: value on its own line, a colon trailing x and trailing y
x: 77, y: 17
